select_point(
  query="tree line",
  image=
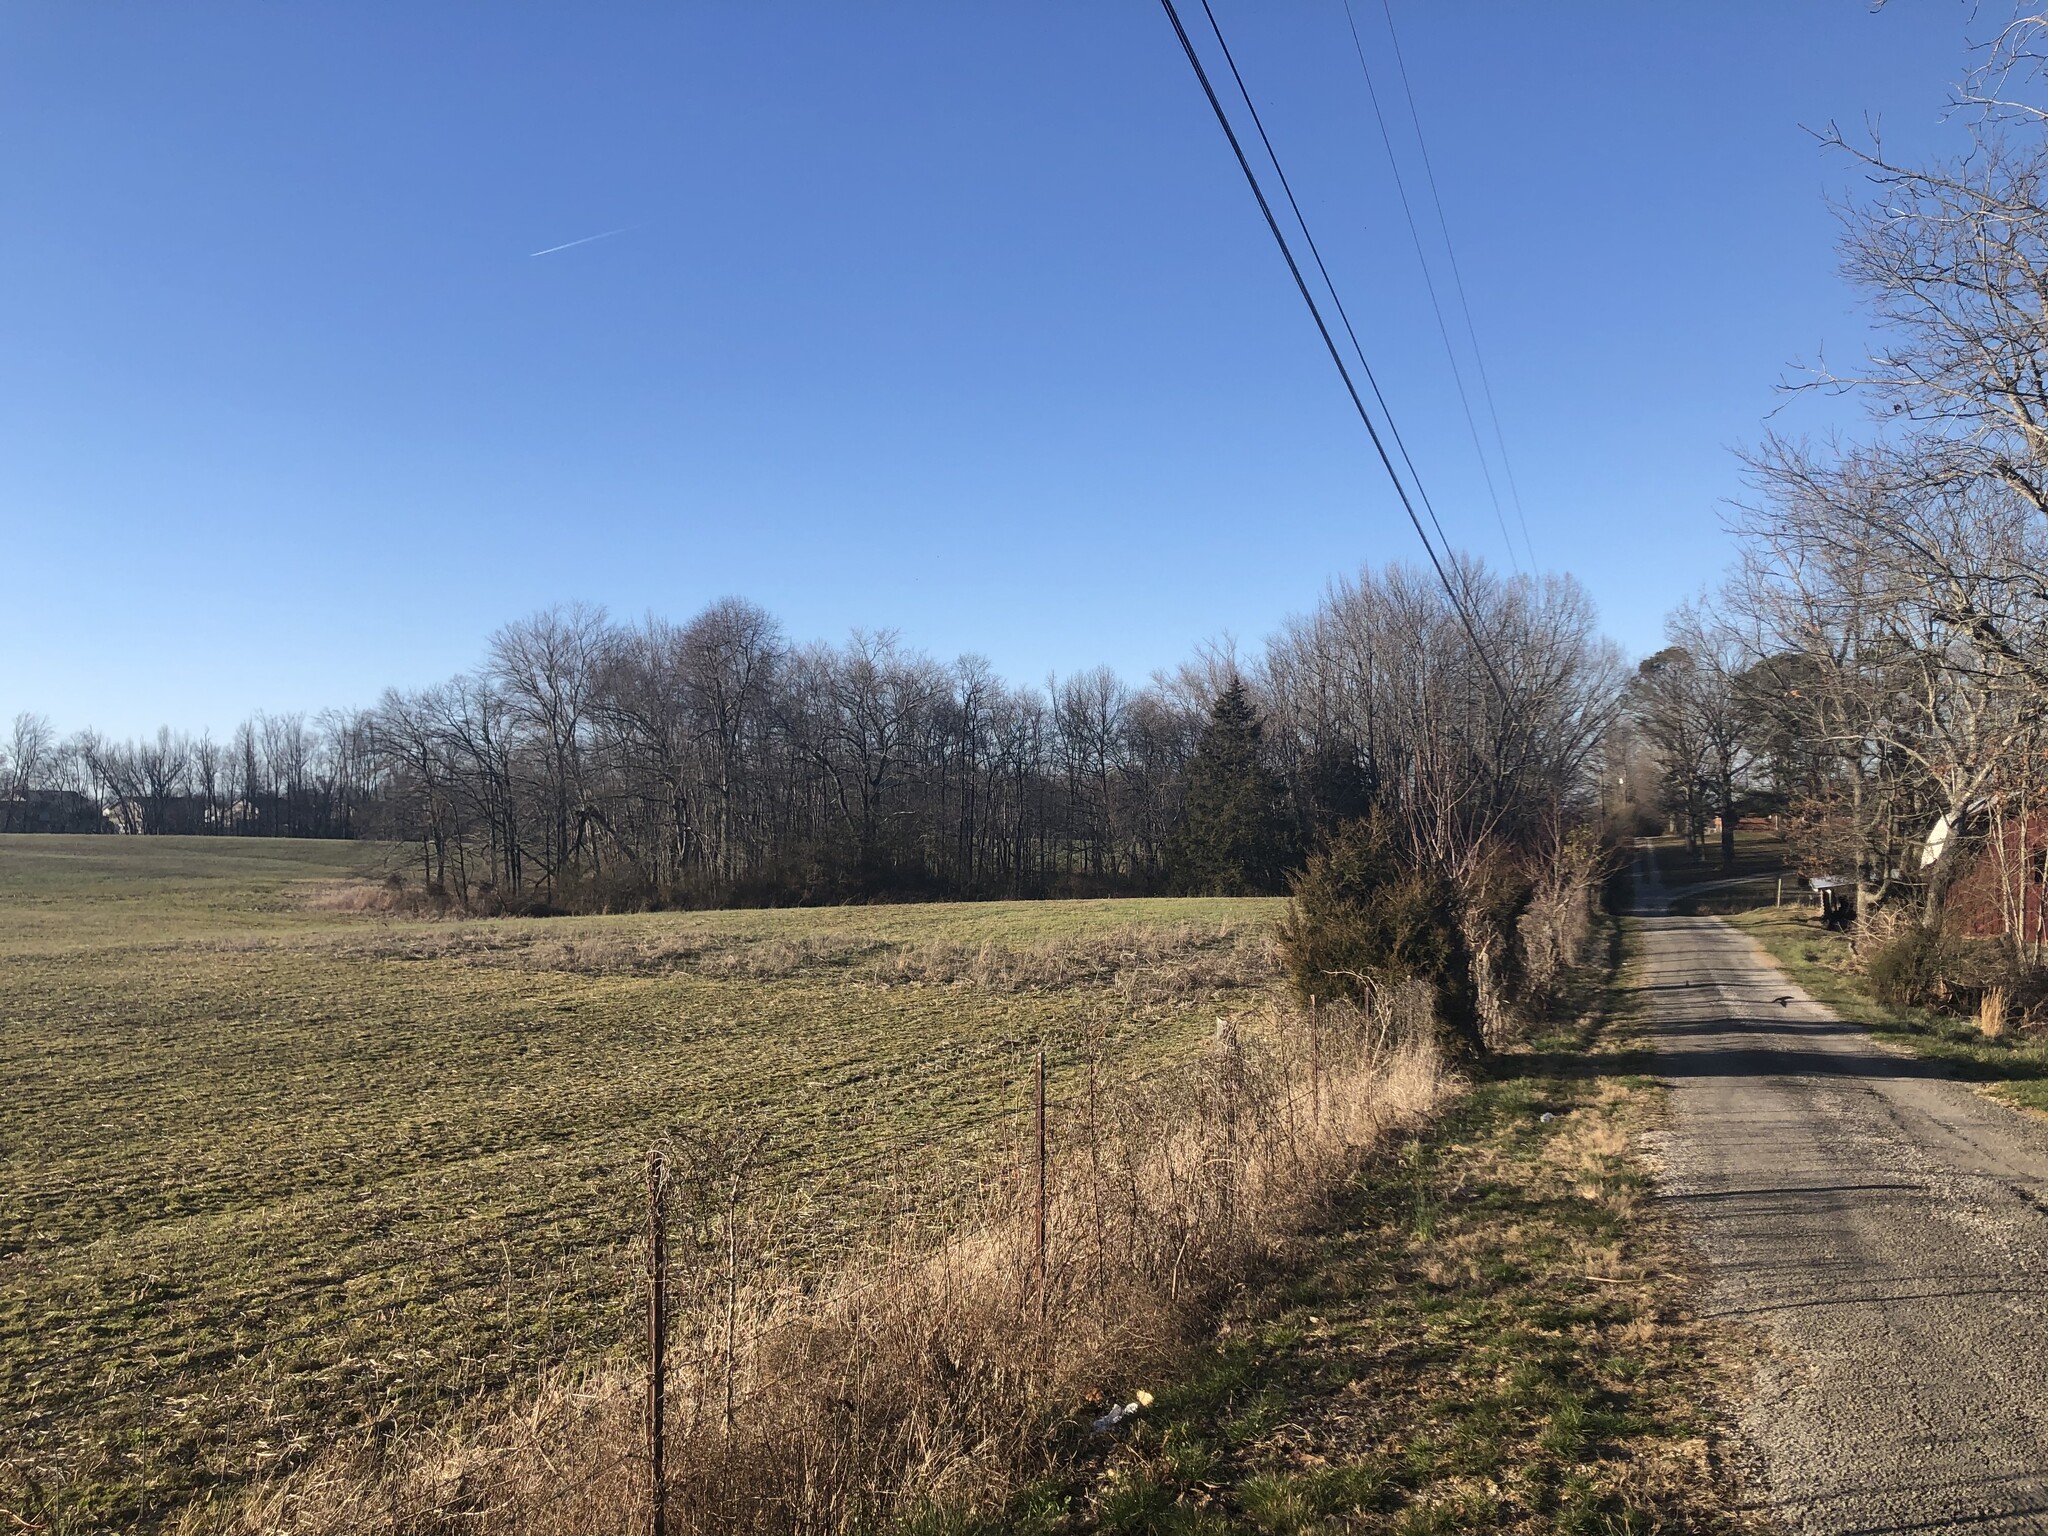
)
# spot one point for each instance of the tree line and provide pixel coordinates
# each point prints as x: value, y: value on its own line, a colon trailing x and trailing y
x: 275, y: 776
x: 587, y: 762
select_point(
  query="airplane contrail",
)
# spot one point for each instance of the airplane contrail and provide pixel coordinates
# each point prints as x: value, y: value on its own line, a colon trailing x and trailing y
x: 622, y: 230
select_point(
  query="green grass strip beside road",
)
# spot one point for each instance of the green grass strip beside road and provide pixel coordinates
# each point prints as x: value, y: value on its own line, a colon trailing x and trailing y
x: 2013, y: 1068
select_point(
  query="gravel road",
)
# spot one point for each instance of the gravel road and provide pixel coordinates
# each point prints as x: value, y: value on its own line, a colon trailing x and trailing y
x: 1881, y: 1231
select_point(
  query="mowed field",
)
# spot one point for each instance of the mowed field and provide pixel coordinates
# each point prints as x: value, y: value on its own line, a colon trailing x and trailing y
x: 275, y: 1168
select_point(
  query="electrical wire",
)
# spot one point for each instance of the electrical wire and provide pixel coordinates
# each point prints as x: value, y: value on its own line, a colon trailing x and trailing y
x: 1315, y: 251
x: 1429, y: 282
x: 1457, y: 278
x: 1329, y: 341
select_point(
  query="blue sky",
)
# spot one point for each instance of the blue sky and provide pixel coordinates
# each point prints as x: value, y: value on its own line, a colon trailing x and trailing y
x: 954, y: 318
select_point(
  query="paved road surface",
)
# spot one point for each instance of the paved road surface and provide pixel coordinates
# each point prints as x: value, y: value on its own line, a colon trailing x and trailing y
x: 1882, y: 1231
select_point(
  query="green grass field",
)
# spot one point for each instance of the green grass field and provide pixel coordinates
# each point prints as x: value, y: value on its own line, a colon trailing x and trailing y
x: 274, y: 1168
x: 1761, y: 876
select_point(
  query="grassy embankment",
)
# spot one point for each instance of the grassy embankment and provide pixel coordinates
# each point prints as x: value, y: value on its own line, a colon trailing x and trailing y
x: 1493, y: 1334
x: 274, y: 1171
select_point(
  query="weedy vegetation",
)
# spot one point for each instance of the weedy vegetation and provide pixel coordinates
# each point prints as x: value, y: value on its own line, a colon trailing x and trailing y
x: 1493, y: 1332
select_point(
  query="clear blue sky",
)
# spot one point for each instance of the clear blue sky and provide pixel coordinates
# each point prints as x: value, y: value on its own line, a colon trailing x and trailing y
x: 954, y: 318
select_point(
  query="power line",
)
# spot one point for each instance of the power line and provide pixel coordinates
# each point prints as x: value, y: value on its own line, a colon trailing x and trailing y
x: 1336, y: 298
x: 1457, y: 278
x: 1323, y: 329
x: 1429, y: 281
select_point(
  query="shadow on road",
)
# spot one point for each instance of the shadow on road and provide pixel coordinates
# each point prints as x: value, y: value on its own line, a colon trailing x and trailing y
x: 1770, y: 1060
x: 1788, y: 1191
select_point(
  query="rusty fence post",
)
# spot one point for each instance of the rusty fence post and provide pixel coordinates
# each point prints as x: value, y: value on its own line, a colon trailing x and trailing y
x: 657, y: 1343
x: 732, y: 1297
x: 1315, y: 1063
x: 1040, y: 1101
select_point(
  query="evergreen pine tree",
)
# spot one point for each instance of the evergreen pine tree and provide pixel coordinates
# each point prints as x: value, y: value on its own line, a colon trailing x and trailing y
x: 1235, y: 837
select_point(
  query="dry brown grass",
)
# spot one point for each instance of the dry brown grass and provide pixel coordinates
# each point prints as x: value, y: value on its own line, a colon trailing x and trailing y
x: 943, y: 1376
x: 390, y: 897
x: 1493, y: 1336
x: 1149, y: 963
x: 1993, y: 1020
x: 1187, y: 959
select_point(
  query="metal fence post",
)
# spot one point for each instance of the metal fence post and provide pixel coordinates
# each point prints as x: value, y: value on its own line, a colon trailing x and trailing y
x: 657, y: 1343
x: 1040, y: 1099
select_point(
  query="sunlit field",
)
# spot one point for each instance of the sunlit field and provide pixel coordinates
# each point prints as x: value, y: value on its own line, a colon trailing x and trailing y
x: 275, y: 1168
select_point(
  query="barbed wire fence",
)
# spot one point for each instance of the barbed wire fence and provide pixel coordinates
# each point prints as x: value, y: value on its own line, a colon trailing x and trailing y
x: 1049, y: 1178
x: 1058, y: 1245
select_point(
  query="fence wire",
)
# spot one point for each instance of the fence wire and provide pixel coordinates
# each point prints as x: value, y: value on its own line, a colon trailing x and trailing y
x: 600, y: 1272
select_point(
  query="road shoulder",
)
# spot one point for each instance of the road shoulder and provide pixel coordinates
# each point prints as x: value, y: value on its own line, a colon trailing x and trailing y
x: 1495, y: 1333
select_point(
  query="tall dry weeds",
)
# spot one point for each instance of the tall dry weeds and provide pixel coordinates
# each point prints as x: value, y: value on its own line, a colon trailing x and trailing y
x: 1558, y: 920
x: 1185, y: 960
x: 947, y: 1376
x: 1993, y: 1019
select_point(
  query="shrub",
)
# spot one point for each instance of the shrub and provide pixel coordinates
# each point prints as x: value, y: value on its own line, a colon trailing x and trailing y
x: 1912, y: 967
x: 1916, y: 964
x: 1364, y: 919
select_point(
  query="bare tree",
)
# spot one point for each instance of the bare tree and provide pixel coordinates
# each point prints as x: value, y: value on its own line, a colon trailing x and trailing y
x: 206, y: 778
x: 25, y: 761
x: 1889, y: 710
x: 730, y: 657
x: 1664, y: 712
x: 1693, y: 705
x: 1386, y: 674
x: 548, y: 666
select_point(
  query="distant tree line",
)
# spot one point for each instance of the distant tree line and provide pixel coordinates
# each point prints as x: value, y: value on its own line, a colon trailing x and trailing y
x: 275, y: 776
x: 592, y: 763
